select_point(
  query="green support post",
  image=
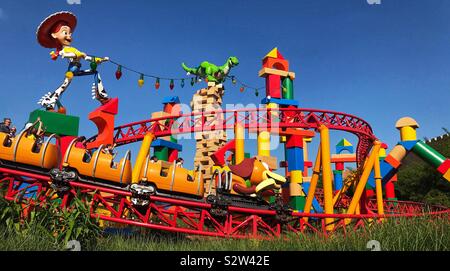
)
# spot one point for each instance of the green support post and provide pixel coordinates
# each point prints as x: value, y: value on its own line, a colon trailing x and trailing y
x: 428, y: 154
x: 288, y: 89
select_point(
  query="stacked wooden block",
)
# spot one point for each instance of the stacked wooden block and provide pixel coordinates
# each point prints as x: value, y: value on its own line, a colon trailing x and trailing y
x: 207, y: 142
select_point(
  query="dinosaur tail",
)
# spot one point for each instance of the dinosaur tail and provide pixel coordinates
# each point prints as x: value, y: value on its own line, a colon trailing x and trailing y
x: 187, y: 69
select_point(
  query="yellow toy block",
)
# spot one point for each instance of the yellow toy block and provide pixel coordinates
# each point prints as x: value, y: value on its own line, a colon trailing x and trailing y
x: 295, y: 190
x: 266, y: 71
x: 447, y: 175
x: 273, y: 53
x: 296, y: 176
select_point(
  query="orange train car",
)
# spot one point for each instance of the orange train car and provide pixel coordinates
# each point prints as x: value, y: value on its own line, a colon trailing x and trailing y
x: 28, y: 151
x: 168, y: 177
x: 98, y: 166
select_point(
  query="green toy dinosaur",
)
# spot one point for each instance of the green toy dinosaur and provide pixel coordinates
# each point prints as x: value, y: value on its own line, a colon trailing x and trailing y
x: 212, y: 72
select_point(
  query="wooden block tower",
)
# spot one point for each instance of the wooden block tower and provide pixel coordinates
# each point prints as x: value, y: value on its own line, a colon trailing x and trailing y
x: 208, y: 142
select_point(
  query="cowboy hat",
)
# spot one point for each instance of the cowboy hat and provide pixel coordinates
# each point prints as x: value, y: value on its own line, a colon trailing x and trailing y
x: 44, y: 30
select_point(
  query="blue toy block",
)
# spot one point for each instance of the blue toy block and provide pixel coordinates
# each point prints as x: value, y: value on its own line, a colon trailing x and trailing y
x: 171, y: 100
x: 279, y: 101
x: 340, y: 149
x: 371, y: 180
x: 295, y: 159
x: 387, y: 172
x: 316, y: 206
x: 168, y: 144
x: 338, y: 180
x: 408, y: 144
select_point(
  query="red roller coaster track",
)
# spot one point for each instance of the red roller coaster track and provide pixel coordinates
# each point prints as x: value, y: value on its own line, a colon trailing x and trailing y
x: 195, y: 217
x: 257, y: 118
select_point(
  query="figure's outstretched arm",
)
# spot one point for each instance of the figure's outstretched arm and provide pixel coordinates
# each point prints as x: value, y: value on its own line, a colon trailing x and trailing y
x: 96, y: 59
x: 71, y: 52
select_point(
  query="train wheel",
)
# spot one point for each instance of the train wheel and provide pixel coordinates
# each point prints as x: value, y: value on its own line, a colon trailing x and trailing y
x: 141, y: 193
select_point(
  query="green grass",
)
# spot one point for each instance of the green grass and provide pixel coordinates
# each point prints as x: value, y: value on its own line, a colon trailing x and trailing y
x: 417, y: 234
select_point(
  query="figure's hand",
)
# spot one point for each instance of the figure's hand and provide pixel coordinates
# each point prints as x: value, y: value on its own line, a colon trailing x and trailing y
x: 99, y: 60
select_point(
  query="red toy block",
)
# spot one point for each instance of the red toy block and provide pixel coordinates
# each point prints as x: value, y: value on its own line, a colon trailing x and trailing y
x: 111, y: 107
x: 276, y: 63
x: 392, y: 161
x: 103, y: 117
x: 394, y: 178
x: 389, y: 189
x: 384, y: 146
x: 294, y: 141
x: 443, y: 168
x: 339, y: 166
x: 63, y: 143
x: 370, y: 193
x: 173, y: 155
x: 273, y: 86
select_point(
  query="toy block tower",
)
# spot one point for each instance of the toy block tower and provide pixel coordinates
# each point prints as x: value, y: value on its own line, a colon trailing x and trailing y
x: 280, y: 94
x: 208, y: 142
x: 295, y: 165
x: 167, y: 148
x: 279, y: 80
x: 339, y: 159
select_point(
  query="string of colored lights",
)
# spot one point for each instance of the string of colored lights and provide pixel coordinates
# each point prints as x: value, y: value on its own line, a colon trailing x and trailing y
x: 193, y: 80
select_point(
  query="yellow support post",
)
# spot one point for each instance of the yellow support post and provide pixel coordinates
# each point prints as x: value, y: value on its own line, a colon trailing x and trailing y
x: 313, y: 184
x: 378, y: 186
x: 327, y: 175
x: 264, y: 143
x: 239, y: 139
x: 364, y: 177
x: 142, y: 155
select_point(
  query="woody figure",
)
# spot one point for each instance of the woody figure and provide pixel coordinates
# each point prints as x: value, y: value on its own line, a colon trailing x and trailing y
x: 56, y: 32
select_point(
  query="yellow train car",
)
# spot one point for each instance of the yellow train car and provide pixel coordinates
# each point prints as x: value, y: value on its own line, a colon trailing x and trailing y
x: 98, y: 166
x: 28, y: 151
x: 168, y: 177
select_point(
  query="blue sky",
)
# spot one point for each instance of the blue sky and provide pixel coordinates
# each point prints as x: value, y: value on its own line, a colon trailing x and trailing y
x: 379, y: 62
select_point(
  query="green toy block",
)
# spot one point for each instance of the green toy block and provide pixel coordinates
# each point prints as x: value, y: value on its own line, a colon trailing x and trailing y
x: 298, y: 203
x: 56, y: 123
x: 288, y: 89
x: 162, y: 153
